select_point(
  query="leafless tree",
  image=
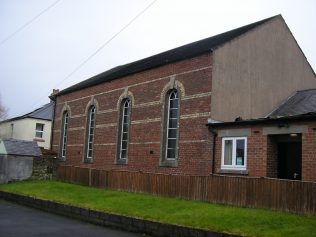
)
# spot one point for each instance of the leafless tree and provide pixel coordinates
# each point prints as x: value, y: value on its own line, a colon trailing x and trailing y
x: 3, y: 111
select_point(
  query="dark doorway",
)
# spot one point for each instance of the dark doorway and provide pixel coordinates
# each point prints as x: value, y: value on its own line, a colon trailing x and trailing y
x: 289, y: 157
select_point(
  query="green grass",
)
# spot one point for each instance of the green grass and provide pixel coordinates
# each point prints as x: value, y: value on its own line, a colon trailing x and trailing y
x: 243, y: 221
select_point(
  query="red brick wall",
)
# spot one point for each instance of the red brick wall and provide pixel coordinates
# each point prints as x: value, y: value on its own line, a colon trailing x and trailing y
x: 272, y: 158
x: 146, y: 119
x: 257, y: 153
x: 309, y: 153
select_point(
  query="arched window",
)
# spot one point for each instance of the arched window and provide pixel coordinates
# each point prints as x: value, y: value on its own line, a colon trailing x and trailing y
x: 90, y: 133
x: 172, y: 125
x: 123, y: 135
x: 64, y: 131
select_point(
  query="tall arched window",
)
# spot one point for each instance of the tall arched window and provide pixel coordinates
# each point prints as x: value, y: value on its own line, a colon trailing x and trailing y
x: 172, y: 125
x: 64, y: 131
x: 124, y: 123
x: 90, y: 133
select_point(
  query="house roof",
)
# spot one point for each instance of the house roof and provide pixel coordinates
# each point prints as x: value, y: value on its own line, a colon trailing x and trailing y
x: 170, y: 56
x: 19, y: 148
x: 301, y: 102
x: 45, y: 113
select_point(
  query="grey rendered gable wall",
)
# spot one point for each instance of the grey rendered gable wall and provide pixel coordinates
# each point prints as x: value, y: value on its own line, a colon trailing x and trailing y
x: 254, y: 73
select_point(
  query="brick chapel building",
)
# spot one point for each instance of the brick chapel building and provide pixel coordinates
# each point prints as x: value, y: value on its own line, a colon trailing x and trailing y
x: 151, y: 115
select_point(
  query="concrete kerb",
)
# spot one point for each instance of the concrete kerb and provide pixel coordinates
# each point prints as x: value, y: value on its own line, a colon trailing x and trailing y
x: 151, y: 228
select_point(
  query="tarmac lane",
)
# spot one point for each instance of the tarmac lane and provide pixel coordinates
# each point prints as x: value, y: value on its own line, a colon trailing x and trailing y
x: 21, y: 221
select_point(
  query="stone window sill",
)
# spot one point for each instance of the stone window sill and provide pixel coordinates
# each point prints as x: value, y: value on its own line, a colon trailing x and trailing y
x: 61, y: 159
x: 169, y: 163
x: 227, y: 171
x: 88, y: 161
x: 38, y: 139
x: 121, y: 162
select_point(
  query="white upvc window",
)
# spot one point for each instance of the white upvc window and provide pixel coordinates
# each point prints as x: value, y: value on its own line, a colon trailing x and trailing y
x: 234, y: 153
x: 39, y: 130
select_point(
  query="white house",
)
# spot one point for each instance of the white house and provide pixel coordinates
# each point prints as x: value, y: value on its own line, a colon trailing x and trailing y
x: 33, y: 126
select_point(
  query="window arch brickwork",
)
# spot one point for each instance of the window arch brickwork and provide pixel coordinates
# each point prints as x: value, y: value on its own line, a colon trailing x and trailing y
x: 170, y: 128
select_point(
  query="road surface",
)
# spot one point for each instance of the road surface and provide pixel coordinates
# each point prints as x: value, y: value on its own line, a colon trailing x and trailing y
x: 21, y: 221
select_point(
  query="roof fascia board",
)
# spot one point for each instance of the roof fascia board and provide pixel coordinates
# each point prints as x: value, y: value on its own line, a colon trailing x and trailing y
x: 265, y: 121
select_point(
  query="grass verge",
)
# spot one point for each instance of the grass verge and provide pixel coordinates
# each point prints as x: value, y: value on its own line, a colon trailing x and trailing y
x: 235, y: 220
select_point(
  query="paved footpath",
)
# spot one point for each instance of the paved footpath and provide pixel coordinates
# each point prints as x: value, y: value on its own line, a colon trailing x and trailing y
x: 21, y: 221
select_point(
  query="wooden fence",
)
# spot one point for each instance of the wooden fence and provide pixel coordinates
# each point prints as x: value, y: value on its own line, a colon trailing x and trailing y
x: 276, y: 194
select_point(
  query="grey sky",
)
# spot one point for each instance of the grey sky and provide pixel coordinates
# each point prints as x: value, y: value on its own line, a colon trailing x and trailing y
x: 39, y: 57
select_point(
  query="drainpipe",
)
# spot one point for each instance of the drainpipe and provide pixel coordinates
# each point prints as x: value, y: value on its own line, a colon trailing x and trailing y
x: 214, y: 146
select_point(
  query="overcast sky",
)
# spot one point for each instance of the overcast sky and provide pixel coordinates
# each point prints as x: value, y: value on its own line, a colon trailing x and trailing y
x: 41, y: 55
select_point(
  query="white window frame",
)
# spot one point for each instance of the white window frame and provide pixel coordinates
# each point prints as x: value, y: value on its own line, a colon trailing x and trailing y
x: 175, y: 92
x: 65, y: 123
x: 125, y: 105
x: 91, y: 125
x: 234, y: 142
x: 39, y: 131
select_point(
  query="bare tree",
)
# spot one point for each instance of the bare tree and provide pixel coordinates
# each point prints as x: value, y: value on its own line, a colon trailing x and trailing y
x: 3, y: 111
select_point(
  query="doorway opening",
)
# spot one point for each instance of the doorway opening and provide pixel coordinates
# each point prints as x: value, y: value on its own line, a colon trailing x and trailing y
x: 289, y: 156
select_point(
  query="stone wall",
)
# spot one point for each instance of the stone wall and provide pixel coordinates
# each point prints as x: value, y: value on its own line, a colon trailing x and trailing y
x: 45, y: 167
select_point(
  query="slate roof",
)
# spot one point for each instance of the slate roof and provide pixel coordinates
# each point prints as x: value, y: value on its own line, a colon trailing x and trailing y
x: 302, y: 102
x: 21, y: 147
x: 45, y: 112
x: 170, y: 56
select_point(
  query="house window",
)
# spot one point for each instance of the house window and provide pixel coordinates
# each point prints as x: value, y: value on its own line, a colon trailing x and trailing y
x: 234, y: 153
x: 12, y: 129
x: 39, y: 130
x: 125, y: 114
x: 64, y: 130
x: 172, y: 125
x: 90, y: 132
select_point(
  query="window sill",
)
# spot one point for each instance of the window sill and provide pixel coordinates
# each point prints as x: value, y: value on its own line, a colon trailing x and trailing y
x: 169, y: 163
x: 37, y: 139
x: 61, y: 159
x: 88, y: 161
x: 121, y: 162
x: 229, y: 171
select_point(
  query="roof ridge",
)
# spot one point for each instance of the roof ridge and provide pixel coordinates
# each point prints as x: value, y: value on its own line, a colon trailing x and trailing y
x: 27, y: 115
